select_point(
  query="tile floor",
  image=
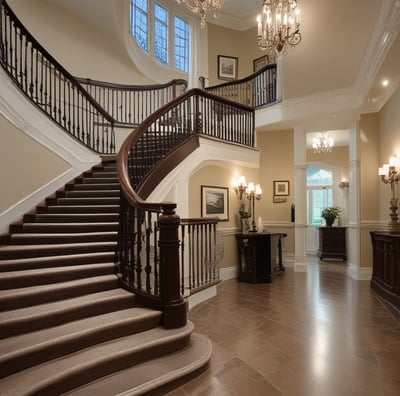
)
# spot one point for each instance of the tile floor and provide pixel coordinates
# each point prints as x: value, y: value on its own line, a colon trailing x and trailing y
x: 306, y: 334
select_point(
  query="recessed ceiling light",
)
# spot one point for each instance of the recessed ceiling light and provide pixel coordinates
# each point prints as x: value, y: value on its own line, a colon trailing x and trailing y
x: 385, y: 83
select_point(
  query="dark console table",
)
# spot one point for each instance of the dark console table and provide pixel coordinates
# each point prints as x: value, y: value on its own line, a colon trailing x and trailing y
x: 332, y: 243
x: 260, y: 256
x: 385, y: 279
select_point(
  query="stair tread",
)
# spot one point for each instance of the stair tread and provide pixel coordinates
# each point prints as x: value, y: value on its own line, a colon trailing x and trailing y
x: 28, y: 291
x: 86, y: 327
x: 150, y: 375
x: 54, y: 259
x: 66, y: 234
x: 77, y: 364
x: 10, y: 275
x: 66, y: 305
x: 20, y: 248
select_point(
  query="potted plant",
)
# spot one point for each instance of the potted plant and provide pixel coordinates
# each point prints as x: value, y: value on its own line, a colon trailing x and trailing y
x: 329, y: 214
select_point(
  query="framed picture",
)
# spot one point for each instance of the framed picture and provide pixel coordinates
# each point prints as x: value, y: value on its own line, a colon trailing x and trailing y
x: 215, y: 202
x: 260, y: 62
x: 281, y: 187
x: 279, y: 199
x: 227, y: 67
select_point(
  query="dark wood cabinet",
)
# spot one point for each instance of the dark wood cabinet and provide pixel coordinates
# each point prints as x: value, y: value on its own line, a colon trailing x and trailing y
x: 386, y: 266
x: 332, y: 243
x: 260, y: 256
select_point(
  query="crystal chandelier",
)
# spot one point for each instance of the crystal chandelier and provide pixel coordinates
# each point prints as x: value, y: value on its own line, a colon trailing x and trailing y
x: 201, y: 7
x: 279, y: 26
x: 322, y: 144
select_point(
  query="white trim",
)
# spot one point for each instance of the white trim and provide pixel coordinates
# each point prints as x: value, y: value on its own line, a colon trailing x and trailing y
x: 201, y: 296
x: 357, y: 273
x: 26, y: 117
x: 228, y: 273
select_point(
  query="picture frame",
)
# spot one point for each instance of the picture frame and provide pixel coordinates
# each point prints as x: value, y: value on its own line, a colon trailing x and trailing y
x: 260, y: 62
x: 281, y: 188
x: 227, y: 67
x: 215, y: 202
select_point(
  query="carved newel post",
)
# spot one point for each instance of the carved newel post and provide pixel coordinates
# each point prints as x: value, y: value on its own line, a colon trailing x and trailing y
x: 174, y: 306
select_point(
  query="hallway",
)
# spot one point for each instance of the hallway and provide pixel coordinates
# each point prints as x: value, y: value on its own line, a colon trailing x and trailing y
x: 307, y: 334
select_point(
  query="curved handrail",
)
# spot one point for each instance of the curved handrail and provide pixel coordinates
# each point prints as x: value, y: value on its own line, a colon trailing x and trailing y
x: 257, y: 90
x: 149, y: 253
x: 51, y: 87
x: 164, y: 114
x: 130, y: 104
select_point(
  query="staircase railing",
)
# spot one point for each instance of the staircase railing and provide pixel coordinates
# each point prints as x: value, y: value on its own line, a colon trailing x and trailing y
x: 47, y: 84
x: 149, y: 254
x: 129, y: 105
x: 257, y: 90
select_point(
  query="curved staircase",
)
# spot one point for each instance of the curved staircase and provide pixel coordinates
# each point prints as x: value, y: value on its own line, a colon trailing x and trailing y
x: 66, y: 325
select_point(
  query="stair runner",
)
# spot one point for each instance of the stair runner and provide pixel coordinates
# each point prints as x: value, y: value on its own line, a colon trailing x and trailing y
x: 66, y: 326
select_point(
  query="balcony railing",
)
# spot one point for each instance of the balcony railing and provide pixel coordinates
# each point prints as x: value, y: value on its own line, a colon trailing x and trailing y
x: 160, y: 257
x: 256, y: 91
x: 151, y: 260
x: 49, y: 86
x: 129, y: 105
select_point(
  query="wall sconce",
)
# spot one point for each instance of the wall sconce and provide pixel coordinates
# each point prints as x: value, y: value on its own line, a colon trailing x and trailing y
x: 390, y: 174
x: 253, y: 193
x: 344, y: 184
x: 239, y: 185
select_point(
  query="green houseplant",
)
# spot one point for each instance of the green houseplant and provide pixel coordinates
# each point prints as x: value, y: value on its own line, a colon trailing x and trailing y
x: 329, y: 214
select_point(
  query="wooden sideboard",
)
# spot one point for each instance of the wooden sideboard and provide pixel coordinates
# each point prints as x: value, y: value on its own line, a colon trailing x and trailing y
x: 385, y: 279
x: 260, y: 256
x: 332, y: 243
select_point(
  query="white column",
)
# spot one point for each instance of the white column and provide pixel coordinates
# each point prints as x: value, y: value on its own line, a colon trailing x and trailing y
x: 354, y: 229
x: 300, y: 184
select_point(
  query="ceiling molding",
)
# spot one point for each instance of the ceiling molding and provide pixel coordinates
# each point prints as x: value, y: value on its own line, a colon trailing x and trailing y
x: 385, y: 32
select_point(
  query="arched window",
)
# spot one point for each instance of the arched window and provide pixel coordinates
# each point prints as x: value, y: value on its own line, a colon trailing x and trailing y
x: 320, y: 183
x: 161, y: 33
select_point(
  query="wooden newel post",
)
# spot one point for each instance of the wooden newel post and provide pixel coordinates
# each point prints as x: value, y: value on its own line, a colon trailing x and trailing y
x: 174, y: 306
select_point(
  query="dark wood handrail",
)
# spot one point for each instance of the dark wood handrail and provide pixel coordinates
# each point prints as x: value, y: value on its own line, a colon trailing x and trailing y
x: 130, y: 104
x: 51, y: 87
x: 257, y: 90
x: 149, y: 253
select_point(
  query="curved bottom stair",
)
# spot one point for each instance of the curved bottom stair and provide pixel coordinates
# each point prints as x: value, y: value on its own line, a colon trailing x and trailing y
x: 66, y: 326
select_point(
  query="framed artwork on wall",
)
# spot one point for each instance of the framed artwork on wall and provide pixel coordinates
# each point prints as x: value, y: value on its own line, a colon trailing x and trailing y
x: 260, y: 62
x: 215, y: 202
x: 281, y: 187
x: 227, y: 67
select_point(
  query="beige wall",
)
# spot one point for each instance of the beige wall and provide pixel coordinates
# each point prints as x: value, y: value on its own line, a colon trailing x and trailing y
x: 81, y: 48
x: 389, y: 144
x: 221, y: 176
x: 338, y: 158
x: 26, y: 166
x: 228, y: 42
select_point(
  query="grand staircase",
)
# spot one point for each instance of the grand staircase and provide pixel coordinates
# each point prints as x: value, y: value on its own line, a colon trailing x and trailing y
x: 66, y: 325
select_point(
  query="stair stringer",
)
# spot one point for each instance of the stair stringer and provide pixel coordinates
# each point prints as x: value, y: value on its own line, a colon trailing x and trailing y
x: 27, y: 118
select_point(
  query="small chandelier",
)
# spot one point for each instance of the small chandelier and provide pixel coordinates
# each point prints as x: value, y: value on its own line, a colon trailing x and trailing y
x: 279, y: 26
x: 201, y: 7
x: 322, y: 144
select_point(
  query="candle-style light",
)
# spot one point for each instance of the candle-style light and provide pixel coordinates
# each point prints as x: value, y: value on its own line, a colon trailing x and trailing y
x: 390, y: 174
x: 253, y: 193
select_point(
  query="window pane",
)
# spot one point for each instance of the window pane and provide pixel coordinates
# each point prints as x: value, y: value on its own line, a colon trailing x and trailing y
x: 161, y: 33
x: 181, y: 44
x: 139, y: 18
x: 319, y: 193
x: 319, y: 177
